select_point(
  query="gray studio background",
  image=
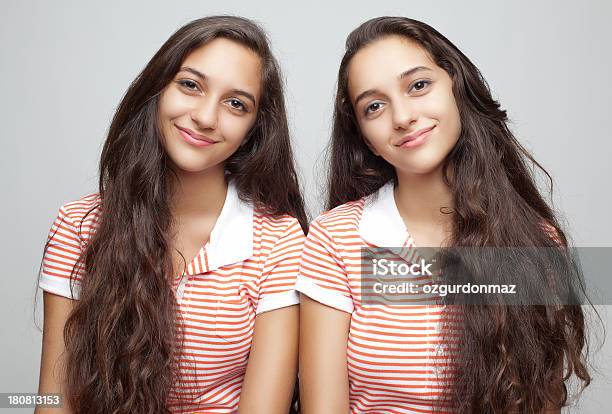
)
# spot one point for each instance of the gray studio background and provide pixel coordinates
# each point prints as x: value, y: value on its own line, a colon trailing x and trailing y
x: 65, y: 66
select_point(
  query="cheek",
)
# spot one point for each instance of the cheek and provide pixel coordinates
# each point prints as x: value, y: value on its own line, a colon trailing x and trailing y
x: 233, y: 128
x: 453, y: 120
x: 173, y: 105
x: 375, y: 131
x: 442, y: 108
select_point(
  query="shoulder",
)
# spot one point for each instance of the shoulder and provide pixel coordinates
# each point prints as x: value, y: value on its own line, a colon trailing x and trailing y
x: 344, y: 214
x: 274, y: 227
x: 338, y: 226
x: 79, y: 216
x: 80, y: 208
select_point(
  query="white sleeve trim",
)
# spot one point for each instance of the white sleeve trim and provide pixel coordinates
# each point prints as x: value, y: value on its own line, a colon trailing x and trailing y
x: 324, y: 296
x: 277, y: 301
x: 59, y: 287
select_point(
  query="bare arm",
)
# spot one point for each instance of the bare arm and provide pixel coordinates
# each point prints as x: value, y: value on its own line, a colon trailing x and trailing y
x: 323, y: 369
x: 270, y: 376
x: 56, y: 311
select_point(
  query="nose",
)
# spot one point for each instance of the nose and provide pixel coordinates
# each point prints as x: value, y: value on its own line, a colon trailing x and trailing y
x: 204, y: 114
x: 403, y: 114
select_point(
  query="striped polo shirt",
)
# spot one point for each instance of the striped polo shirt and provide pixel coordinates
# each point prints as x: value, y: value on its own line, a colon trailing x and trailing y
x: 395, y: 353
x: 248, y: 266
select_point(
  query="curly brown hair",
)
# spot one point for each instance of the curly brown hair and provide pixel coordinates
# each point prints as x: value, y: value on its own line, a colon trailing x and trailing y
x: 510, y: 358
x: 122, y: 336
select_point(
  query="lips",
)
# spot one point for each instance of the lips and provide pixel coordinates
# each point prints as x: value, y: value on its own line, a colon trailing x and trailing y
x: 196, y: 136
x: 414, y: 136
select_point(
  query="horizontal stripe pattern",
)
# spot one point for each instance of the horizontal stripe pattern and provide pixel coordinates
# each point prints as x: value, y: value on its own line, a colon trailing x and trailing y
x: 396, y: 355
x: 217, y: 307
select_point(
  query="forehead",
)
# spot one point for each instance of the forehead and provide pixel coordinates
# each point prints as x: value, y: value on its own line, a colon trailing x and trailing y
x: 228, y: 64
x: 383, y: 61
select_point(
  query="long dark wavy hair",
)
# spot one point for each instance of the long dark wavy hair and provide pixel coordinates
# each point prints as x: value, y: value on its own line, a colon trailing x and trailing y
x: 509, y: 358
x: 121, y: 336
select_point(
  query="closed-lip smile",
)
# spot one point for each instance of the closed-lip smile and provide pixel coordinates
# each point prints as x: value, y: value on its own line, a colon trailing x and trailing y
x: 194, y: 139
x: 414, y: 136
x: 196, y: 136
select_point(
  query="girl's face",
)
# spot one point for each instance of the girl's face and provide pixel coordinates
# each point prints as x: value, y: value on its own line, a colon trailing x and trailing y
x: 206, y: 111
x: 404, y: 104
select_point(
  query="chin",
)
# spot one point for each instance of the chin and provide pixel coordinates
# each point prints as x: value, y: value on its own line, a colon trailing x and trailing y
x: 421, y: 168
x: 187, y: 165
x: 191, y: 169
x: 419, y: 163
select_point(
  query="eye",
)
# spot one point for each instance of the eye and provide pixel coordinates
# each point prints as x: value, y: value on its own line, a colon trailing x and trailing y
x: 373, y: 107
x: 420, y: 85
x: 237, y: 104
x: 188, y: 84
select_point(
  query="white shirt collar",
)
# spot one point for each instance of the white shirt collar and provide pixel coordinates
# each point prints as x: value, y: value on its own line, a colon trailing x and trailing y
x: 381, y: 223
x: 231, y: 239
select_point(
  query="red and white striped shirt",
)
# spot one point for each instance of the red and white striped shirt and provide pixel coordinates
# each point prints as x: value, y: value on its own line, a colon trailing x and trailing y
x: 249, y: 266
x: 395, y: 353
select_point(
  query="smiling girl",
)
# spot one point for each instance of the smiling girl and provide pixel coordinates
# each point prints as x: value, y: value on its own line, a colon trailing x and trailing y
x: 421, y: 156
x: 171, y: 290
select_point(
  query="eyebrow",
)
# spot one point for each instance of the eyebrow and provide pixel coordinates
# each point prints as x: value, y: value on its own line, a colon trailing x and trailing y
x: 204, y: 78
x: 403, y: 75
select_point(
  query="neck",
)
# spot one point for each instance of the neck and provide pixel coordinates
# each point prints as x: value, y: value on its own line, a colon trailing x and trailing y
x: 419, y: 197
x: 199, y: 193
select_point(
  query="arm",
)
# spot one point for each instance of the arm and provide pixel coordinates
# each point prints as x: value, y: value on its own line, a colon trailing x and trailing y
x: 269, y: 381
x: 323, y: 369
x: 61, y: 261
x: 270, y: 376
x: 56, y: 311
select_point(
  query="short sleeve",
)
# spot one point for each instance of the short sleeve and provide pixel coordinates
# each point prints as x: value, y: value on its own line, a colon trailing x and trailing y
x: 61, y: 258
x: 322, y: 275
x: 276, y: 289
